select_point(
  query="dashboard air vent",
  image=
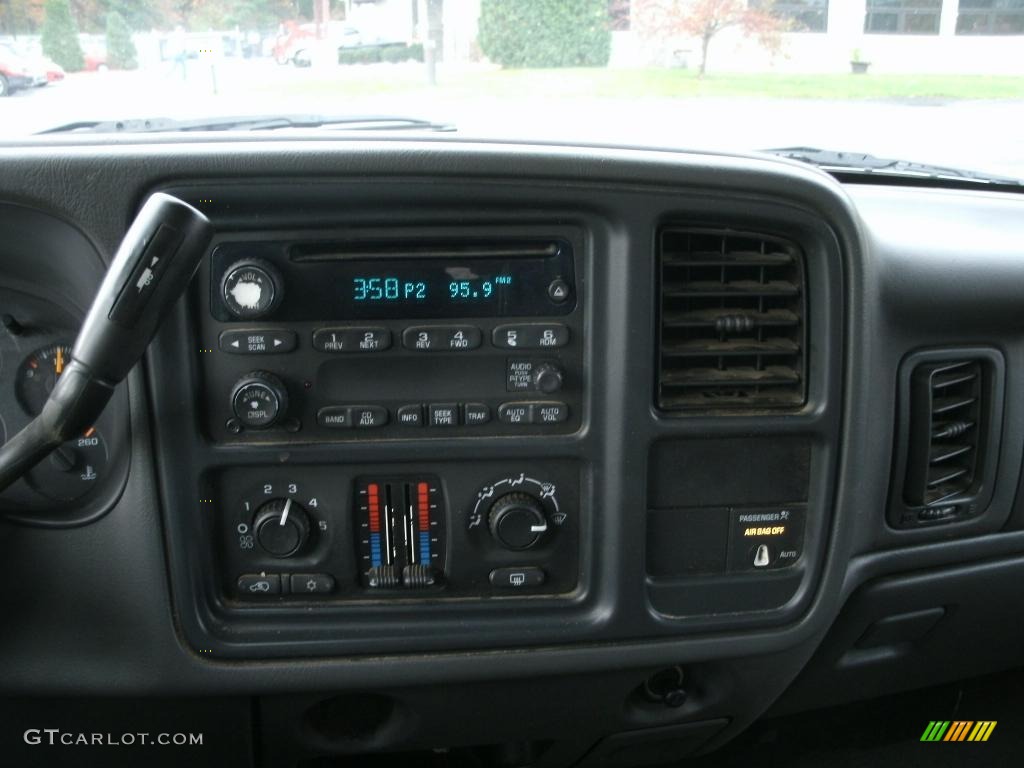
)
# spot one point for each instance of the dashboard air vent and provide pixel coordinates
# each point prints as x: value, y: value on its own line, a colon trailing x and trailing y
x: 951, y: 405
x: 945, y: 420
x: 733, y: 321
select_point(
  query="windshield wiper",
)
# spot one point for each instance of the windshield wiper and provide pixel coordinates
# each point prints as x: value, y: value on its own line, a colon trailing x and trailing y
x: 856, y: 163
x: 252, y: 123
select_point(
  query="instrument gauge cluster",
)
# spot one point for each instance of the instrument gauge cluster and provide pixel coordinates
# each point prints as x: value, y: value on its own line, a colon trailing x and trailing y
x: 70, y: 485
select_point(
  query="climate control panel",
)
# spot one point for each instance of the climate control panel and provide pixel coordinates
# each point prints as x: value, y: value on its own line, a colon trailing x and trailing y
x: 440, y: 530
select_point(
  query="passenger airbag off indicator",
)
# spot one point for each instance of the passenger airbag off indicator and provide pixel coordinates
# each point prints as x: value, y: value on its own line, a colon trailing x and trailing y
x: 766, y: 538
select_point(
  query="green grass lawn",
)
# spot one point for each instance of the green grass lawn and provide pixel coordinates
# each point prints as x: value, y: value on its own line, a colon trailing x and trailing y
x: 647, y: 83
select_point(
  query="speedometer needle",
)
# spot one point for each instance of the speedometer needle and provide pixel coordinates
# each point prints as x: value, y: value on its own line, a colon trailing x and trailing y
x: 284, y: 512
x: 58, y: 364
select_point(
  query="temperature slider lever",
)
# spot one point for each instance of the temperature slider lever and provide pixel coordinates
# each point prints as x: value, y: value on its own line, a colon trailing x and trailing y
x: 155, y: 261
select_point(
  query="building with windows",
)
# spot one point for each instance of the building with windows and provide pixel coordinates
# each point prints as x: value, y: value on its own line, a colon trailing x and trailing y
x: 898, y: 36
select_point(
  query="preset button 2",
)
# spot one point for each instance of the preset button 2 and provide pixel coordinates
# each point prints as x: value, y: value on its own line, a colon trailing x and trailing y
x: 351, y: 339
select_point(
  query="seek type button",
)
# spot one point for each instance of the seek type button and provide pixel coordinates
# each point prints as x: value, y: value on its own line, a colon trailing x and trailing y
x: 444, y: 415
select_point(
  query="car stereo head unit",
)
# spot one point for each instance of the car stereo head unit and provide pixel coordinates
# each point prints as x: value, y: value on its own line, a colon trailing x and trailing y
x: 380, y: 280
x: 323, y: 339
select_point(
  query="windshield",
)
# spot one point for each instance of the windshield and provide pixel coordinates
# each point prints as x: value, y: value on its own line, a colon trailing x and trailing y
x: 932, y: 81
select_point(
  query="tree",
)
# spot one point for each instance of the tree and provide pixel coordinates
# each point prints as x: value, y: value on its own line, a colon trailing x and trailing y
x: 704, y: 19
x: 545, y: 33
x: 20, y: 16
x: 60, y: 36
x: 121, y: 53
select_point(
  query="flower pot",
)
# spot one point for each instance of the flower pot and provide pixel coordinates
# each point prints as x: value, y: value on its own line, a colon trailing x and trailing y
x: 859, y: 67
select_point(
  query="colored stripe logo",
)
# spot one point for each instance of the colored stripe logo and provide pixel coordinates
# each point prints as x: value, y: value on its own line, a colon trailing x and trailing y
x: 959, y: 730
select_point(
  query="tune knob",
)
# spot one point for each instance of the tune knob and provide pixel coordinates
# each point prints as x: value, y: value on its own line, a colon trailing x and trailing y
x: 547, y: 378
x: 517, y: 521
x: 251, y: 288
x: 259, y: 400
x: 281, y: 527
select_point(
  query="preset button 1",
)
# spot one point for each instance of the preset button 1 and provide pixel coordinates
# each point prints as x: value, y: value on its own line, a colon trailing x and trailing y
x: 351, y: 339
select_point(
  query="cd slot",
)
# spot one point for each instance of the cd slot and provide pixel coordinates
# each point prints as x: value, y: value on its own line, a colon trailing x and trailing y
x: 384, y: 249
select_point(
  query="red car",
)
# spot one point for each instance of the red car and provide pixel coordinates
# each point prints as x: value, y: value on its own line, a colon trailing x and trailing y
x: 17, y: 71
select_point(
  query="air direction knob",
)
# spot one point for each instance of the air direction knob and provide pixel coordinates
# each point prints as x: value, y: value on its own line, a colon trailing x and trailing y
x: 517, y: 521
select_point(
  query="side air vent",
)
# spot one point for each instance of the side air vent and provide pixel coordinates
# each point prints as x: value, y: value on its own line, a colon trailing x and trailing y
x: 951, y: 413
x: 733, y: 321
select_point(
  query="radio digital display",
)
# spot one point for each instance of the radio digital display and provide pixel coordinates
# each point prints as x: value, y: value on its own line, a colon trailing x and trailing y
x: 454, y: 284
x: 324, y: 283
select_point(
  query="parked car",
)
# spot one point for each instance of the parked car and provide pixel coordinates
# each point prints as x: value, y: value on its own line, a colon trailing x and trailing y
x: 18, y: 71
x: 298, y: 44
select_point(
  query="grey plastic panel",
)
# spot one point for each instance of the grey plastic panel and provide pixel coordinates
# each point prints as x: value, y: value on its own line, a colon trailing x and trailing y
x: 902, y: 254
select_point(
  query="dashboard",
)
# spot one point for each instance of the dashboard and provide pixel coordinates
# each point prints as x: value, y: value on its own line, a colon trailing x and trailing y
x: 482, y: 446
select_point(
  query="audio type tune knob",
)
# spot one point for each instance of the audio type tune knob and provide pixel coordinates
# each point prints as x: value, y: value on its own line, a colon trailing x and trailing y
x: 547, y: 378
x: 259, y: 400
x: 281, y: 527
x: 251, y: 288
x: 517, y: 521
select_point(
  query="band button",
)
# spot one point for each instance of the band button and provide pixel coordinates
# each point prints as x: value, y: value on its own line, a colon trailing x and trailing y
x: 334, y: 417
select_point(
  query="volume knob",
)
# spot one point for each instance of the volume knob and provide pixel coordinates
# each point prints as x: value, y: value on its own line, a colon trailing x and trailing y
x: 517, y: 521
x: 251, y: 288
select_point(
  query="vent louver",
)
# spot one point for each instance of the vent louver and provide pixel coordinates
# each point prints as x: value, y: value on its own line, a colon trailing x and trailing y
x: 733, y: 314
x: 950, y: 411
x: 945, y: 423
